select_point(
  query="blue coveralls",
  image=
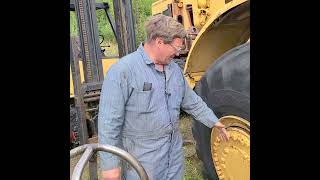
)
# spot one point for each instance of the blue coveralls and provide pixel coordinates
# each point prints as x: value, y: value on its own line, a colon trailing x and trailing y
x: 145, y: 123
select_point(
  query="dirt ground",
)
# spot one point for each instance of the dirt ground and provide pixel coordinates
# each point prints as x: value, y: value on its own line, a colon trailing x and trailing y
x: 192, y: 163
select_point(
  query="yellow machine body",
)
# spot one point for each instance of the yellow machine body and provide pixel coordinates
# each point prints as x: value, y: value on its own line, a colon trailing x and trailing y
x: 210, y: 39
x: 214, y: 27
x: 106, y: 64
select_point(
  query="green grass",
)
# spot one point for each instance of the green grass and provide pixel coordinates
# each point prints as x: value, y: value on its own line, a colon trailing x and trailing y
x: 192, y: 163
x: 192, y: 169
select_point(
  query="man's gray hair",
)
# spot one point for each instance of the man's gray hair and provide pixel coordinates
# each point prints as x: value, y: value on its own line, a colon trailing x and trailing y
x: 164, y: 27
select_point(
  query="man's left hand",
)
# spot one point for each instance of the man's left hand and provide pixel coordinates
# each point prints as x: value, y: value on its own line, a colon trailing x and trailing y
x: 223, y: 134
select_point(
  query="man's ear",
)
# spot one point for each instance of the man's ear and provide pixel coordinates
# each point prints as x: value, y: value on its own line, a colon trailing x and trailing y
x: 158, y: 41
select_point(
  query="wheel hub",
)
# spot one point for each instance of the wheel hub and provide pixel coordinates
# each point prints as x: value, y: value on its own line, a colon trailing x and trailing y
x: 232, y: 159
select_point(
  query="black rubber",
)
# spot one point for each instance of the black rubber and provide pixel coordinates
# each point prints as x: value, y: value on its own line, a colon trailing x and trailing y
x: 225, y: 87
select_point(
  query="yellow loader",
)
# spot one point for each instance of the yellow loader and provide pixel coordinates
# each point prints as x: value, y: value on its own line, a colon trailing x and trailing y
x: 216, y: 64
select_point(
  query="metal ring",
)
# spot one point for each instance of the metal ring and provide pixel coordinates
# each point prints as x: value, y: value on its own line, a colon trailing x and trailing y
x: 90, y: 149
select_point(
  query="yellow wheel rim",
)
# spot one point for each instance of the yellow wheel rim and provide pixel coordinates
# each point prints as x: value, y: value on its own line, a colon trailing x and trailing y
x: 232, y: 159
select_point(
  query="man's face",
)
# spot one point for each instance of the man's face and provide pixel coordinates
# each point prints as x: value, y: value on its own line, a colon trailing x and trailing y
x: 168, y: 51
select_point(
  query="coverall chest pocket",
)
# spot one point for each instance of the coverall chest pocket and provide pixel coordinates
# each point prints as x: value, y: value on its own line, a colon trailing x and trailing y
x: 145, y: 100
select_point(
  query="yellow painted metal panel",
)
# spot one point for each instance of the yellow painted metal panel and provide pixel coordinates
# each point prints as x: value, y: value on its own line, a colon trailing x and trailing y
x: 214, y: 40
x: 106, y: 64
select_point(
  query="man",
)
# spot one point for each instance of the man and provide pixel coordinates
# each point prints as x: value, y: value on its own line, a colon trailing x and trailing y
x: 140, y: 105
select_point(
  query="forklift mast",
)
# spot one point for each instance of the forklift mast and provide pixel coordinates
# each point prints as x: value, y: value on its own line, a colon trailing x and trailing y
x: 90, y: 50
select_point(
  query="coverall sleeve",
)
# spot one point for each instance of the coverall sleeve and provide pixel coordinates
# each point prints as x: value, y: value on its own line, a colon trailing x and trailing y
x: 196, y: 107
x: 114, y: 94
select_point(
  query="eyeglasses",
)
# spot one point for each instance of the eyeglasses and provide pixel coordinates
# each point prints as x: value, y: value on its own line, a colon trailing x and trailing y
x: 178, y: 49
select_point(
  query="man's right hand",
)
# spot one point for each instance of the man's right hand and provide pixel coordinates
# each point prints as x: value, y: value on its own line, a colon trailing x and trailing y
x: 113, y: 174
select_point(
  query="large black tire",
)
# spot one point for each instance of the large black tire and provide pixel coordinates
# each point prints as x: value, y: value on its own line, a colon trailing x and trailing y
x: 225, y: 87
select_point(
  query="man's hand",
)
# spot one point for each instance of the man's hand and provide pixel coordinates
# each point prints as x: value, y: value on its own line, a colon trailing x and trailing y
x: 113, y: 174
x: 223, y: 134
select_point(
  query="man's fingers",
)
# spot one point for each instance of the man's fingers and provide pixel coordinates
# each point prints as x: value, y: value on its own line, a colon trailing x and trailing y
x: 223, y: 134
x: 226, y: 134
x: 220, y: 136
